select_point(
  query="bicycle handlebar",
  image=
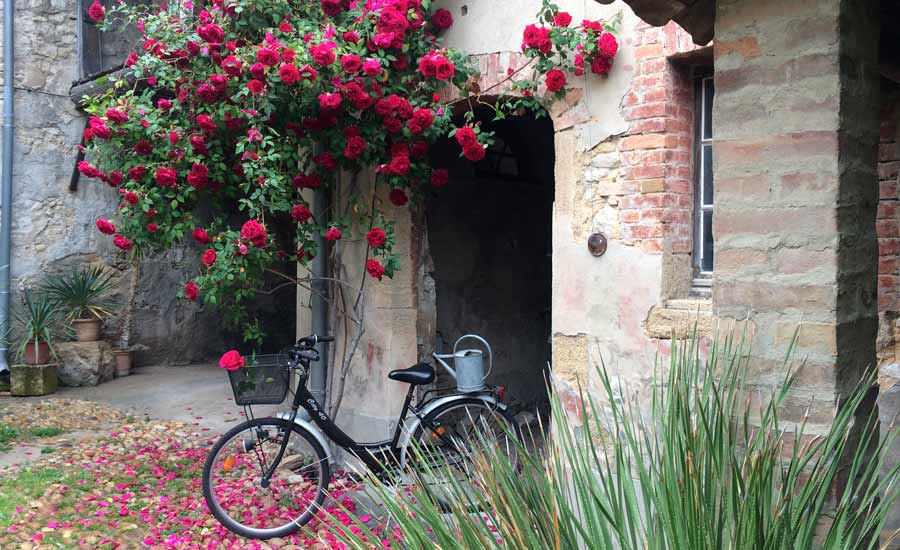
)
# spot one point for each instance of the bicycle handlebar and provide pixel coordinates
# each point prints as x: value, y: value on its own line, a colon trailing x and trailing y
x: 313, y: 339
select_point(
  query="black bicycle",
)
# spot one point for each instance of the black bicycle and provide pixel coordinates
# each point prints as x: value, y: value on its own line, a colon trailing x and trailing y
x: 267, y: 477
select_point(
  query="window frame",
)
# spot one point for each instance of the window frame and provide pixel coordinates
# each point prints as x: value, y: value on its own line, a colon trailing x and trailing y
x: 702, y: 278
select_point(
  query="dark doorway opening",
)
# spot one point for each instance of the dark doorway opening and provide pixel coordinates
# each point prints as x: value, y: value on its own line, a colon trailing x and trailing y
x: 489, y: 234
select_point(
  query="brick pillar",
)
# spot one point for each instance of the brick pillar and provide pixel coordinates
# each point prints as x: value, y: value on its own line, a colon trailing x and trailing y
x: 795, y: 152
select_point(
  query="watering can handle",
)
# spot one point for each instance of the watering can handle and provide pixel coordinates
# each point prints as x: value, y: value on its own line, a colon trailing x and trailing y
x: 483, y: 341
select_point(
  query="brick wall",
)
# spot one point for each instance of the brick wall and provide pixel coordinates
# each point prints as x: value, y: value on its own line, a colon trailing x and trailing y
x: 656, y: 155
x: 888, y: 228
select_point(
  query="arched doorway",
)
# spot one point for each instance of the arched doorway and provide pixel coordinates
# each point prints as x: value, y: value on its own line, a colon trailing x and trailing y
x: 489, y: 233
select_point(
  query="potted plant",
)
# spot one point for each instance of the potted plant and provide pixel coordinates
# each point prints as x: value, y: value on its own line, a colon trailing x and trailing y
x: 38, y: 319
x: 84, y: 294
x: 125, y: 353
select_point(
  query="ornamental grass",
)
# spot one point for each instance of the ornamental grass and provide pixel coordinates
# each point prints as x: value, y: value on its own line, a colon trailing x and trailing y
x: 704, y: 470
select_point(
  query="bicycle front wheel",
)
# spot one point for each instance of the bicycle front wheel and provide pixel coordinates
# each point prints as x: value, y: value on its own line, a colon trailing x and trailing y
x: 233, y: 483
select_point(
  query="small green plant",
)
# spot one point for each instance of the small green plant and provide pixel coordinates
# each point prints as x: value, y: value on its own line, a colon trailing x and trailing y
x: 47, y: 450
x: 45, y: 432
x: 8, y: 433
x: 38, y: 320
x: 702, y: 470
x: 82, y: 293
x: 23, y: 487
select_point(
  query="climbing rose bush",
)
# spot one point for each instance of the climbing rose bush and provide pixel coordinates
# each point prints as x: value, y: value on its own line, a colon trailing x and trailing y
x: 236, y: 107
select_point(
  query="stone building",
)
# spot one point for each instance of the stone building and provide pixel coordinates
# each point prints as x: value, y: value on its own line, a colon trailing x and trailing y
x: 737, y: 168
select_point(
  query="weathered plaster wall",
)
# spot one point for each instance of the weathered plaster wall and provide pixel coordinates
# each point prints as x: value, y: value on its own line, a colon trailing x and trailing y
x: 53, y: 228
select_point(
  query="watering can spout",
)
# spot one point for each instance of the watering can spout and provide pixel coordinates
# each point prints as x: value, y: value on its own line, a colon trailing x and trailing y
x: 447, y: 367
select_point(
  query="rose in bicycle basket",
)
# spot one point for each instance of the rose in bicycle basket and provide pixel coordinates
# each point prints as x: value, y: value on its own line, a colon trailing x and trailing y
x: 231, y: 360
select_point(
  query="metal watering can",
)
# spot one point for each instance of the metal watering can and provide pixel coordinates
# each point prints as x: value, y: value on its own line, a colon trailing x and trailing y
x: 469, y: 372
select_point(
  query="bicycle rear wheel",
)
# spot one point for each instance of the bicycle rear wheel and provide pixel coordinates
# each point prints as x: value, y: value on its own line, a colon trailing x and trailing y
x: 232, y: 478
x: 446, y: 448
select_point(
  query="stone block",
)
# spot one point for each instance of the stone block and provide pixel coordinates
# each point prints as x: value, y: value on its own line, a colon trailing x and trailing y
x: 28, y: 380
x: 680, y: 320
x: 85, y: 363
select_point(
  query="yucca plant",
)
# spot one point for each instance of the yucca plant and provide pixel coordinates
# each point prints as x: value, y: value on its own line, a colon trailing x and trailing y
x: 38, y: 320
x: 703, y: 471
x: 83, y: 293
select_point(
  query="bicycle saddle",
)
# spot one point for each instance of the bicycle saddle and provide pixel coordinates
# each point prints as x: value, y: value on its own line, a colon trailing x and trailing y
x: 422, y: 373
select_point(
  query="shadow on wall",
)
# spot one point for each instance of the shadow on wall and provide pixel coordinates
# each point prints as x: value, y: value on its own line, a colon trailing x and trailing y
x: 489, y: 235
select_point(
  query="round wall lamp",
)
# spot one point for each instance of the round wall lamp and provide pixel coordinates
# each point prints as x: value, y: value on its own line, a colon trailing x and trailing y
x: 597, y: 244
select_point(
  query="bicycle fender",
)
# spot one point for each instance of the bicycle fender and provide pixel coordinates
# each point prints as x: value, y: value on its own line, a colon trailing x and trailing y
x: 313, y: 429
x: 413, y: 423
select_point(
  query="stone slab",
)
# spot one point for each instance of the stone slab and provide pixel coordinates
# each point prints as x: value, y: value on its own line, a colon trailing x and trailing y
x: 85, y: 363
x: 29, y: 380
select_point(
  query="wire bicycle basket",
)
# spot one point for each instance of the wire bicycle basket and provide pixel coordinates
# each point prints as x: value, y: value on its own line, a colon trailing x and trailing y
x: 264, y: 380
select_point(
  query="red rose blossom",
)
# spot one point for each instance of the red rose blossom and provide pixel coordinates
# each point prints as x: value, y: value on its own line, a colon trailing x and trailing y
x: 116, y: 115
x: 601, y: 65
x: 333, y: 234
x: 376, y: 237
x: 473, y: 151
x: 200, y: 235
x: 206, y: 123
x: 351, y: 63
x: 555, y: 80
x: 398, y: 197
x: 323, y: 54
x: 254, y: 232
x: 231, y: 360
x: 191, y: 292
x: 439, y: 177
x: 256, y: 87
x: 562, y: 19
x: 267, y: 56
x: 209, y: 257
x: 374, y: 268
x: 97, y: 12
x: 166, y: 177
x: 301, y: 213
x: 105, y: 226
x: 465, y: 136
x: 122, y: 242
x: 442, y: 19
x: 607, y: 45
x: 143, y: 147
x: 289, y: 73
x: 443, y: 69
x: 356, y: 146
x: 152, y: 227
x: 331, y: 7
x: 131, y: 197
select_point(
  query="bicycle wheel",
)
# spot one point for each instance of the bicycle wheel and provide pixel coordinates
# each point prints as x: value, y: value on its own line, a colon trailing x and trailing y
x: 452, y: 438
x: 232, y: 479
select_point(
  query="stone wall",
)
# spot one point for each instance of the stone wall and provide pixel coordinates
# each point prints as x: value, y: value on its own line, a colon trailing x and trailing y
x: 53, y: 227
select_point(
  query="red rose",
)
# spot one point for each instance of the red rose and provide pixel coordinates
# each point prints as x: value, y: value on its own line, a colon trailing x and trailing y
x: 88, y: 170
x: 152, y: 227
x: 562, y: 19
x: 267, y: 56
x: 164, y: 105
x: 440, y: 177
x: 375, y: 269
x: 399, y: 165
x: 99, y: 128
x: 442, y: 19
x: 356, y: 146
x: 398, y: 197
x: 311, y: 181
x: 232, y: 66
x: 206, y: 123
x: 443, y: 69
x: 300, y: 213
x: 308, y: 73
x: 198, y: 176
x: 209, y: 257
x: 166, y: 177
x: 289, y: 73
x: 256, y: 87
x: 607, y: 45
x: 198, y: 144
x: 200, y: 235
x: 371, y: 67
x: 191, y: 292
x: 537, y: 37
x: 601, y: 65
x: 322, y: 54
x: 555, y: 80
x: 465, y: 136
x: 211, y: 33
x: 131, y: 197
x: 331, y: 7
x: 325, y: 160
x: 97, y: 12
x: 427, y: 66
x: 333, y: 234
x: 329, y: 101
x: 231, y: 360
x: 143, y: 147
x: 131, y: 60
x: 473, y: 151
x: 116, y: 115
x: 285, y: 27
x: 114, y: 179
x: 122, y: 242
x: 137, y: 172
x: 254, y: 232
x: 351, y: 36
x: 105, y: 226
x: 376, y: 238
x: 351, y: 63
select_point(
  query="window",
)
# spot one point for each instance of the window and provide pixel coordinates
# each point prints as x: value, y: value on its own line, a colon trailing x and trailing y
x: 90, y: 51
x: 703, y: 184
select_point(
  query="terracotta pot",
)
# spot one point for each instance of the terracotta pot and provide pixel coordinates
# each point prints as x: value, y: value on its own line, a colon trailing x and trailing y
x: 87, y: 330
x: 123, y: 363
x: 41, y: 358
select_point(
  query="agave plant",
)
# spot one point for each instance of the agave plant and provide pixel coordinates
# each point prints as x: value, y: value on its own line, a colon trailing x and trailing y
x: 703, y: 471
x: 38, y: 319
x: 83, y: 293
